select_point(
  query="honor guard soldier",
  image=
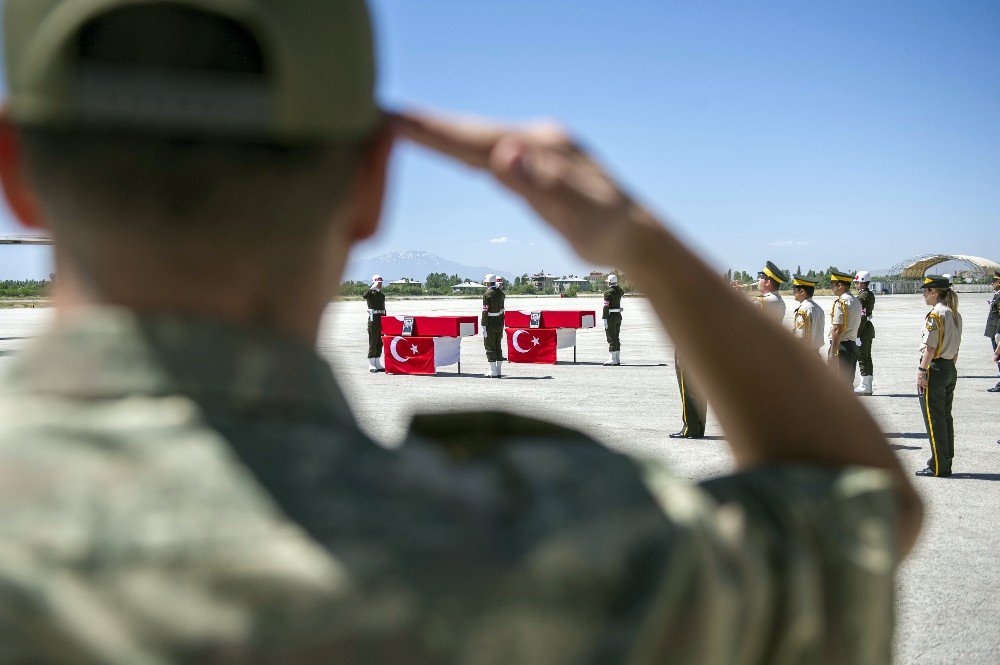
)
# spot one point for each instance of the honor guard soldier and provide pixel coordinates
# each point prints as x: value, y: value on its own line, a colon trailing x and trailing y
x: 993, y: 324
x: 376, y: 310
x: 612, y: 316
x: 492, y: 324
x: 808, y: 322
x: 694, y: 407
x: 866, y: 332
x: 769, y: 280
x: 845, y: 318
x: 936, y: 375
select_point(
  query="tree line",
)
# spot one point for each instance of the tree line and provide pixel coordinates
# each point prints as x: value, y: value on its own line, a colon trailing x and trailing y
x: 24, y: 288
x: 440, y: 284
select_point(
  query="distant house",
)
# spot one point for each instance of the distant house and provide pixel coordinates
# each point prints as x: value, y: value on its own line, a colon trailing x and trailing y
x: 543, y: 281
x: 467, y: 287
x: 564, y: 283
x: 406, y: 281
x: 596, y: 279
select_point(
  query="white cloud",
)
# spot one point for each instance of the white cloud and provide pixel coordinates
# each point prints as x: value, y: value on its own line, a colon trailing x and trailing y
x: 498, y: 241
x: 789, y: 243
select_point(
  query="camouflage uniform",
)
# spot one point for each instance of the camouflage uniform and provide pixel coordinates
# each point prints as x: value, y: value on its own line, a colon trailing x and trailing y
x: 175, y: 490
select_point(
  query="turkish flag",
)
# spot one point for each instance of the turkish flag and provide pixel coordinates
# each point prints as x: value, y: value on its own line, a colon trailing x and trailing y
x: 531, y: 345
x: 408, y: 355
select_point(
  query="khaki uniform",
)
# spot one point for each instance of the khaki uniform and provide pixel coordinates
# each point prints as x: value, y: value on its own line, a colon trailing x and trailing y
x: 694, y: 406
x: 808, y: 323
x: 866, y: 332
x: 376, y: 310
x: 846, y: 311
x: 772, y: 305
x: 612, y: 315
x: 993, y: 322
x: 942, y: 333
x: 491, y: 321
x: 181, y: 491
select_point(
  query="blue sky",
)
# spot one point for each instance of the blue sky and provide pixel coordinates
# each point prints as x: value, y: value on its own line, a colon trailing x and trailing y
x: 854, y: 134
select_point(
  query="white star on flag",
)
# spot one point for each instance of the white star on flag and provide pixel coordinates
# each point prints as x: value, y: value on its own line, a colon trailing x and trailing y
x: 414, y: 348
x: 534, y: 340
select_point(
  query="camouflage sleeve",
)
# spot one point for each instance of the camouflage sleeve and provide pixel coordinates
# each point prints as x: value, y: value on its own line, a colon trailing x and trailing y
x: 783, y: 564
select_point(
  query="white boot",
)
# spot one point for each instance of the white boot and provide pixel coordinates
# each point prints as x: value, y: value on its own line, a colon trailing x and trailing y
x: 371, y: 365
x: 378, y: 365
x: 865, y: 387
x: 616, y: 357
x: 494, y: 370
x: 498, y: 374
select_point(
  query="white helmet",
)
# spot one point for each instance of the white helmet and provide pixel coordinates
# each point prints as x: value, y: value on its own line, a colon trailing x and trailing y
x: 863, y: 276
x: 490, y: 278
x: 376, y: 278
x: 612, y: 279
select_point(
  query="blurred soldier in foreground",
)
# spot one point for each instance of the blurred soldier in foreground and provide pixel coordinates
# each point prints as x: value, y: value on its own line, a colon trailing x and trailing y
x: 612, y: 316
x: 491, y: 322
x: 184, y: 481
x: 376, y: 310
x: 807, y: 323
x: 769, y: 281
x: 866, y: 333
x: 993, y: 325
x: 845, y: 318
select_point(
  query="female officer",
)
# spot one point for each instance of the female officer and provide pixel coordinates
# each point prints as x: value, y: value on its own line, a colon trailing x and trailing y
x: 936, y: 374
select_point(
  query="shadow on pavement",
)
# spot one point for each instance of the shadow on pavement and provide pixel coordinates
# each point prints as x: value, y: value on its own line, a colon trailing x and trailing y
x: 505, y: 377
x: 906, y: 435
x: 976, y: 476
x: 899, y: 446
x: 893, y: 395
x: 970, y: 376
x: 593, y: 364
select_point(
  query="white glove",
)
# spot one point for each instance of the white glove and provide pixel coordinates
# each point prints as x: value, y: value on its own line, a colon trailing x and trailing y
x: 857, y: 341
x: 605, y: 324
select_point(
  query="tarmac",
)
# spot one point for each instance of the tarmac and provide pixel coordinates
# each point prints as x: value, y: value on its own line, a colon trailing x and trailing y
x: 948, y: 606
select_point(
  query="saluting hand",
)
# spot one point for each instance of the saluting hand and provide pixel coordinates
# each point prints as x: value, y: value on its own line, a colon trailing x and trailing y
x: 550, y: 171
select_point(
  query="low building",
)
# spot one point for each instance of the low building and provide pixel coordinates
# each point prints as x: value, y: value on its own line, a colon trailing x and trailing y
x: 543, y: 281
x: 564, y: 283
x: 467, y: 287
x: 406, y: 281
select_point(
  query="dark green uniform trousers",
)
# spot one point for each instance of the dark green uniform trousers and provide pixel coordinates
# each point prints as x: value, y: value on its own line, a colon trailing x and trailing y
x: 613, y: 331
x: 847, y: 359
x: 935, y: 404
x: 865, y: 355
x: 375, y: 336
x: 493, y: 341
x: 693, y: 406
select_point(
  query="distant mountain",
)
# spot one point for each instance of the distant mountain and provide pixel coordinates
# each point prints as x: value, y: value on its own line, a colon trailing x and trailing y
x: 416, y: 265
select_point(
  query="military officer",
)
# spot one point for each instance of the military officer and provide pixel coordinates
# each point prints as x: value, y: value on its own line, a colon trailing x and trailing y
x: 491, y: 321
x: 183, y: 477
x: 769, y: 281
x: 845, y: 318
x: 808, y: 321
x: 866, y: 332
x: 612, y: 315
x: 993, y: 323
x: 376, y: 310
x: 936, y: 375
x: 694, y: 406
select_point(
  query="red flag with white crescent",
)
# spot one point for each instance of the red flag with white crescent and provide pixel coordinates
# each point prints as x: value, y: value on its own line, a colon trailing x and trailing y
x: 531, y: 345
x: 408, y: 355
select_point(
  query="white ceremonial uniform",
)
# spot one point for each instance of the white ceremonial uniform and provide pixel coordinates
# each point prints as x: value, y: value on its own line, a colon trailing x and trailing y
x: 846, y: 311
x: 773, y: 305
x: 809, y: 323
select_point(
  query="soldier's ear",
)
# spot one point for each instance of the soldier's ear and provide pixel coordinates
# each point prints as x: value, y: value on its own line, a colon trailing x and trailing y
x: 368, y: 189
x: 19, y: 192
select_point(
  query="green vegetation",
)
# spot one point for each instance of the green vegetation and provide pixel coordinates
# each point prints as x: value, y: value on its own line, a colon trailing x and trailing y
x: 29, y: 288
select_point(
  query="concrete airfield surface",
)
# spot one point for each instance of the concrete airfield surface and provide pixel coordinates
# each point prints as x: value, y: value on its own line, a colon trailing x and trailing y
x: 949, y: 588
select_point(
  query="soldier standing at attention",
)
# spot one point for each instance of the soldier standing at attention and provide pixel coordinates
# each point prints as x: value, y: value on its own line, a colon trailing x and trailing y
x: 936, y: 375
x: 993, y: 324
x: 491, y: 322
x: 845, y: 318
x: 769, y: 281
x: 866, y: 332
x: 207, y: 495
x: 376, y: 310
x: 612, y: 316
x: 808, y: 321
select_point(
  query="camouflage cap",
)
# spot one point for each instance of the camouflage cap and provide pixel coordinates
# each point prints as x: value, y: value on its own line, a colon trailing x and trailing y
x: 317, y: 80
